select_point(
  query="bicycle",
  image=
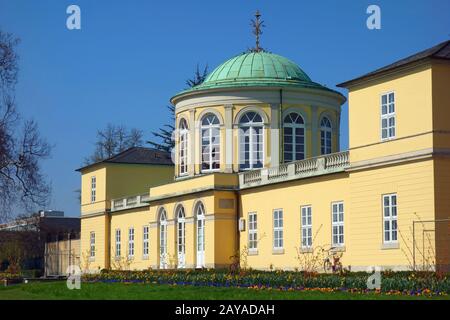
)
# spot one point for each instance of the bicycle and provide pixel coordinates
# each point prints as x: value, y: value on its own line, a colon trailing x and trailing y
x: 332, y: 261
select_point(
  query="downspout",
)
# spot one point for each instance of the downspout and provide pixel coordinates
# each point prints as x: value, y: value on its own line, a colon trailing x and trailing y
x: 280, y: 121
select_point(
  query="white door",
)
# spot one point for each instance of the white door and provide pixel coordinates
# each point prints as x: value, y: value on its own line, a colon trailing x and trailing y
x: 181, y: 244
x: 200, y: 241
x: 163, y: 245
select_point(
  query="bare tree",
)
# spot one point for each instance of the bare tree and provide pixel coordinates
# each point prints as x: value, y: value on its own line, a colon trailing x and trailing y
x: 112, y: 140
x: 21, y: 146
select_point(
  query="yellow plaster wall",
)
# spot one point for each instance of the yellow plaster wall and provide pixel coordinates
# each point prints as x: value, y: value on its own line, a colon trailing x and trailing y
x: 414, y: 184
x: 413, y: 97
x: 100, y: 205
x: 318, y: 192
x: 133, y: 179
x: 99, y: 225
x: 442, y: 207
x: 124, y: 220
x: 441, y: 103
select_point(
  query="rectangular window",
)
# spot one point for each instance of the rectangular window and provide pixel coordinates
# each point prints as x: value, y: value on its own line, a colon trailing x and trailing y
x: 146, y: 242
x: 93, y: 188
x: 252, y: 231
x: 388, y: 116
x: 337, y: 223
x: 390, y: 218
x: 306, y: 227
x: 118, y: 243
x: 278, y: 229
x: 131, y: 242
x: 92, y: 245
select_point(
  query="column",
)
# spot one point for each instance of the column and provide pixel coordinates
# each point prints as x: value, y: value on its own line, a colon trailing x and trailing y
x: 228, y: 138
x: 314, y: 133
x: 191, y: 144
x: 338, y: 131
x: 274, y: 135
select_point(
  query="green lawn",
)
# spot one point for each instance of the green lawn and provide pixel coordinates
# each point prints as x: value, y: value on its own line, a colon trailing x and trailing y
x: 58, y: 290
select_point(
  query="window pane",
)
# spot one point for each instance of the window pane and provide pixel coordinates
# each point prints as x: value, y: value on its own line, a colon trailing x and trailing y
x: 391, y: 97
x: 391, y: 108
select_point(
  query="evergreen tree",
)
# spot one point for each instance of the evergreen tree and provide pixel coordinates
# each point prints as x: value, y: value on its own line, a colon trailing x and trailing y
x: 164, y: 134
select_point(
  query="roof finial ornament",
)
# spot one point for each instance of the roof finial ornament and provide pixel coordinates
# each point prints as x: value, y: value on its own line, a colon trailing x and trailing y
x: 257, y: 24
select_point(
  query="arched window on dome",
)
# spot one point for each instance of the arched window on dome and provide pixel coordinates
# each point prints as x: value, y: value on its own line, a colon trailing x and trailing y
x: 325, y: 135
x: 293, y: 137
x: 210, y: 139
x: 251, y: 141
x: 183, y: 132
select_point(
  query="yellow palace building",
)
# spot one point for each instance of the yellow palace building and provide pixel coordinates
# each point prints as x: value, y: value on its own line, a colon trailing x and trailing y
x: 257, y: 172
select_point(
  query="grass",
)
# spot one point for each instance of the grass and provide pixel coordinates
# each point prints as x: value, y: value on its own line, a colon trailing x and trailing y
x: 132, y: 291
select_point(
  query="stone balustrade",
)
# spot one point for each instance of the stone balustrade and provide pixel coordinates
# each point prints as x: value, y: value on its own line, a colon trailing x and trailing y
x: 330, y: 163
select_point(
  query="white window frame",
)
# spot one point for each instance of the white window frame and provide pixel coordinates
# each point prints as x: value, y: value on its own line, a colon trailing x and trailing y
x: 278, y: 229
x: 388, y: 116
x: 131, y: 237
x: 200, y: 234
x: 294, y: 126
x: 145, y: 241
x: 390, y: 219
x: 92, y: 245
x: 337, y: 223
x: 324, y: 130
x: 211, y: 144
x: 250, y: 126
x: 162, y: 239
x: 252, y: 231
x: 183, y: 145
x: 306, y: 236
x: 93, y: 189
x: 118, y: 243
x: 181, y: 235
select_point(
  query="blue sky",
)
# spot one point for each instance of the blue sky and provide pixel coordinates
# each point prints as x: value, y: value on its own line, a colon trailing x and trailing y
x: 131, y: 56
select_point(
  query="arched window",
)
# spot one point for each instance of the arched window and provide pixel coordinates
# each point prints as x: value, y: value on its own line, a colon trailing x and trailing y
x: 251, y: 141
x: 181, y: 237
x: 293, y: 137
x: 183, y: 146
x: 210, y: 135
x: 162, y: 239
x: 325, y: 135
x: 200, y: 217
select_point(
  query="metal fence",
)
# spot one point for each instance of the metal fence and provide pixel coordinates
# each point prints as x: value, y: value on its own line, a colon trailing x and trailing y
x: 59, y: 255
x: 431, y: 245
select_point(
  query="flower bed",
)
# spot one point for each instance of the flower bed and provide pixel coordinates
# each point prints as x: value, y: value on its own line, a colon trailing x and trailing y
x: 7, y: 279
x: 391, y: 282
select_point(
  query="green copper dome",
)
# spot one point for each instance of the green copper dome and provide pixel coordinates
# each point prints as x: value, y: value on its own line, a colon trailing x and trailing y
x: 257, y: 66
x: 256, y: 69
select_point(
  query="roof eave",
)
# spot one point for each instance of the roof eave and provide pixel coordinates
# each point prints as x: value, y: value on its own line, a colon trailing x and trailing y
x: 374, y: 75
x: 189, y: 93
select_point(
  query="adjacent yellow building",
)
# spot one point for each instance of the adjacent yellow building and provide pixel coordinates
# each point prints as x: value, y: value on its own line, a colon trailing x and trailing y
x: 258, y: 173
